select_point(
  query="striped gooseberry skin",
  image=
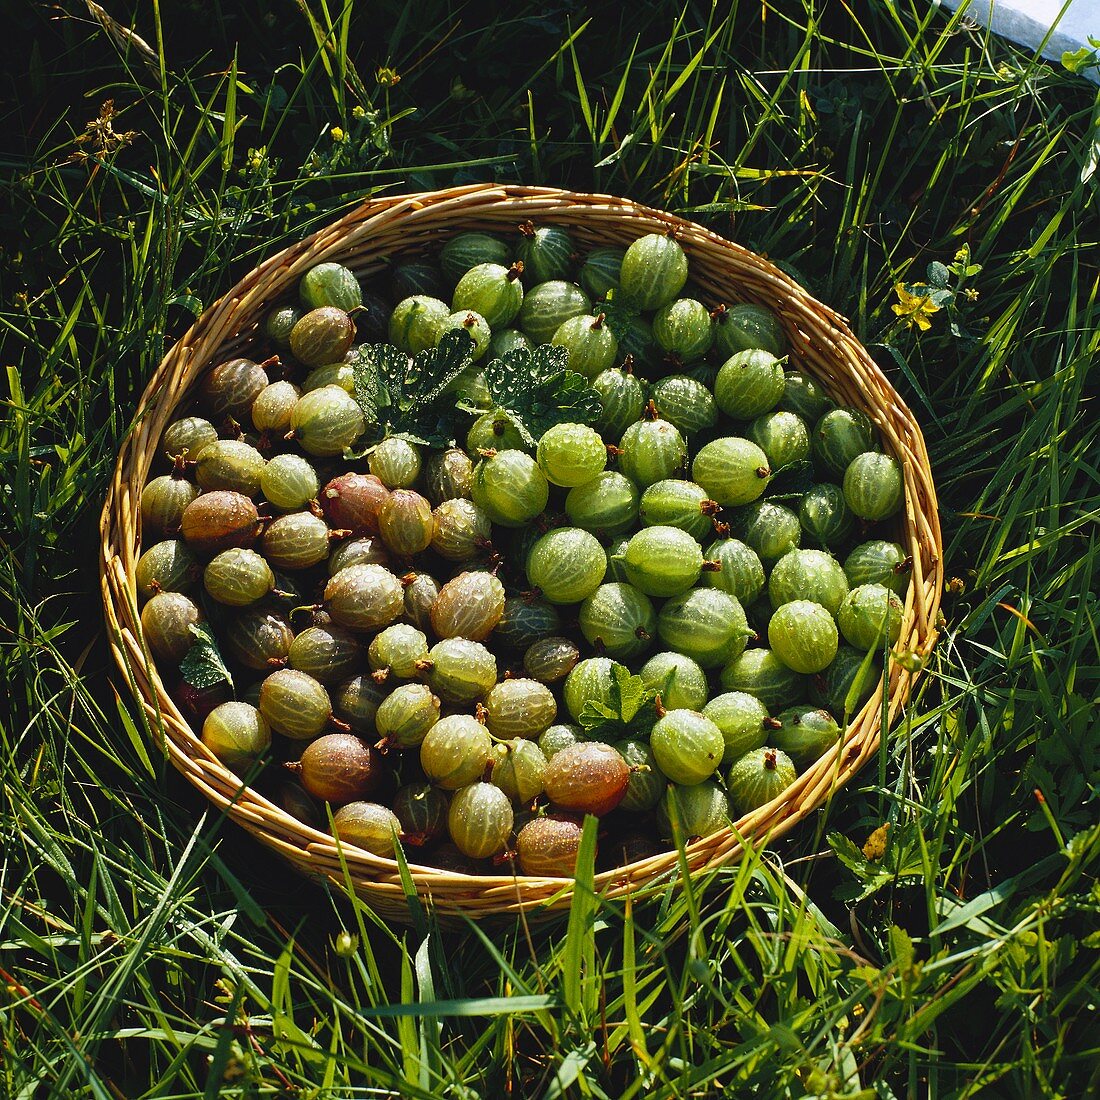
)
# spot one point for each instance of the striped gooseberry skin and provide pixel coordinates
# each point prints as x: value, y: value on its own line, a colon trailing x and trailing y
x: 417, y: 323
x: 622, y: 396
x: 163, y: 502
x: 805, y: 733
x: 547, y: 306
x: 258, y: 639
x: 466, y: 250
x: 760, y: 673
x: 230, y: 464
x: 547, y: 846
x: 462, y: 670
x: 295, y: 704
x: 406, y: 714
x: 825, y: 515
x: 732, y: 470
x: 759, y: 777
x: 652, y: 450
x: 420, y: 594
x: 607, y: 505
x: 705, y: 624
x: 803, y: 635
x: 687, y: 746
x: 566, y: 565
x: 662, y: 561
x: 330, y: 284
x: 685, y: 403
x: 492, y: 290
x: 367, y: 825
x: 456, y: 751
x: 364, y: 597
x: 510, y: 488
x: 395, y: 462
x: 559, y: 737
x: 747, y: 326
x: 591, y: 680
x: 368, y: 550
x: 524, y: 621
x: 326, y: 421
x: 700, y: 810
x: 327, y: 653
x: 184, y: 438
x: 279, y: 322
x: 230, y: 388
x: 219, y: 520
x: 879, y: 562
x: 804, y: 395
x: 494, y: 430
x: 415, y: 277
x: 840, y: 436
x: 589, y: 343
x: 636, y: 342
x: 297, y: 540
x: 476, y: 328
x: 504, y: 341
x: 653, y: 272
x: 468, y: 606
x: 782, y: 436
x: 846, y: 676
x: 677, y: 678
x: 772, y: 530
x: 405, y: 522
x: 808, y: 575
x: 618, y: 620
x: 870, y: 616
x: 459, y: 529
x: 289, y: 482
x: 518, y: 770
x: 600, y: 271
x: 323, y: 335
x: 351, y: 502
x: 740, y: 571
x: 647, y: 783
x: 547, y: 252
x: 167, y: 566
x: 398, y: 649
x: 480, y: 820
x: 589, y: 777
x: 683, y: 329
x: 340, y: 374
x: 749, y: 384
x: 237, y: 734
x: 676, y: 503
x: 422, y: 811
x: 166, y: 622
x: 273, y: 407
x: 356, y: 701
x: 447, y: 476
x: 741, y: 718
x: 551, y: 659
x: 571, y: 454
x: 873, y: 486
x: 519, y: 707
x: 340, y: 767
x: 238, y: 577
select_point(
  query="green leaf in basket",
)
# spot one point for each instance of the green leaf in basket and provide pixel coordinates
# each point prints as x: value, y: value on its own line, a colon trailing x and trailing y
x: 408, y: 395
x: 538, y: 390
x: 629, y: 710
x: 203, y: 665
x: 618, y: 313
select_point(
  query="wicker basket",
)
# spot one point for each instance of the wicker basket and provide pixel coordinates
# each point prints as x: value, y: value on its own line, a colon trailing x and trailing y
x: 367, y: 240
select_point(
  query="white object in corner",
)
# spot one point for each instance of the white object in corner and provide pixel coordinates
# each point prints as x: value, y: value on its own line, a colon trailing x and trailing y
x: 1029, y: 22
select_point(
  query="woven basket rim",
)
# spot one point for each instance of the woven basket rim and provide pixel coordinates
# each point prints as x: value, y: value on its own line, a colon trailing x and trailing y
x: 367, y: 239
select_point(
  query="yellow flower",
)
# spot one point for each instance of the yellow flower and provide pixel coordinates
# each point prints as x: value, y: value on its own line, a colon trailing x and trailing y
x: 914, y: 309
x: 337, y: 134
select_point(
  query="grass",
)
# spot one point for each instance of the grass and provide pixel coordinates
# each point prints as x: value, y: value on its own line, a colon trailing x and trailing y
x: 148, y: 950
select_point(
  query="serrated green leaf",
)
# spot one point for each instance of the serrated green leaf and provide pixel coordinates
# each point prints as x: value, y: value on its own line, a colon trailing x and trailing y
x: 627, y: 711
x: 203, y: 665
x: 537, y: 390
x: 618, y: 313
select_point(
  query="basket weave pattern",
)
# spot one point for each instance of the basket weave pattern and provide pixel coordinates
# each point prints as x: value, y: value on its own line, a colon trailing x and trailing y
x: 368, y: 240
